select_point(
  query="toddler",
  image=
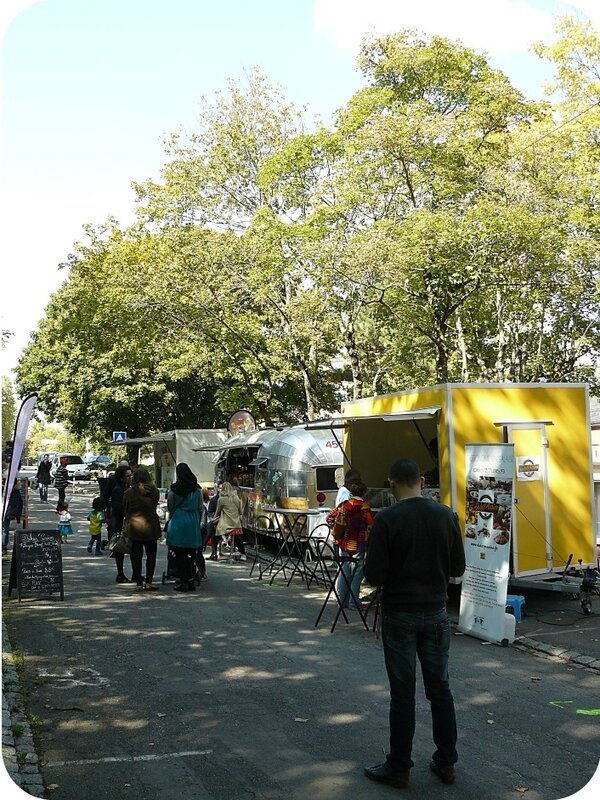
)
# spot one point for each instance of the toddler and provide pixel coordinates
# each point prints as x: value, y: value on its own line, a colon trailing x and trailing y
x: 96, y: 518
x: 64, y: 520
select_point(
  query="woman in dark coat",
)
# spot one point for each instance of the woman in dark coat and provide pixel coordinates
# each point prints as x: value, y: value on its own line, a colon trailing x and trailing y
x: 184, y: 503
x: 142, y: 526
x: 116, y: 498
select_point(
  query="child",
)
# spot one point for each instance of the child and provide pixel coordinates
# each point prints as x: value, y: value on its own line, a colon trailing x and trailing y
x: 96, y: 518
x: 64, y: 520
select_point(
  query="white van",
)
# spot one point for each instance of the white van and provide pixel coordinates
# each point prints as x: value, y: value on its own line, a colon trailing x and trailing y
x: 78, y: 471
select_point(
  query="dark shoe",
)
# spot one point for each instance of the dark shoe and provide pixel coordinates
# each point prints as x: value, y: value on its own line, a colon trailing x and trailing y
x: 122, y: 579
x: 150, y: 587
x: 213, y: 557
x: 89, y: 549
x: 191, y: 586
x: 181, y: 587
x: 445, y: 774
x: 383, y: 773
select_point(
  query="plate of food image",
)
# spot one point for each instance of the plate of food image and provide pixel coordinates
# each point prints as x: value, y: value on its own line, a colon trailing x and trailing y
x: 502, y: 537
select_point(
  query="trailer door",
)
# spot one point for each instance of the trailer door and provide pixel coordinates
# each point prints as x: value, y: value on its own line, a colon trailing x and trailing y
x: 532, y: 532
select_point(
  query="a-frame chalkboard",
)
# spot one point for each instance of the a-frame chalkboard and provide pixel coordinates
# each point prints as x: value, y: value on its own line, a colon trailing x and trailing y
x: 36, y: 564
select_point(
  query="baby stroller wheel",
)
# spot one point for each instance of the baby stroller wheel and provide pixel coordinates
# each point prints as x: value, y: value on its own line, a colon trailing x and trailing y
x: 586, y: 607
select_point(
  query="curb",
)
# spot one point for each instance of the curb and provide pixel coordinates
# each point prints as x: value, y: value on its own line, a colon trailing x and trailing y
x: 560, y: 653
x: 18, y: 749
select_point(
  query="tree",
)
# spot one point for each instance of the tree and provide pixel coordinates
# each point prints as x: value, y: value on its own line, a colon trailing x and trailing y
x: 8, y: 410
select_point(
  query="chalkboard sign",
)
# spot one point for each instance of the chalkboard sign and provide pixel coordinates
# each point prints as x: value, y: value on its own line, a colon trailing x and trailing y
x: 36, y: 564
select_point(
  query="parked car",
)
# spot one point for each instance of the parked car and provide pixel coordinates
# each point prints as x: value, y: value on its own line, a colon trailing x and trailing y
x: 97, y: 462
x: 78, y: 471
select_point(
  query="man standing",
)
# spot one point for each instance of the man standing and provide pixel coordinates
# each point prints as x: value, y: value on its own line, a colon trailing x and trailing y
x: 414, y: 548
x: 343, y: 494
x: 61, y: 480
x: 43, y: 476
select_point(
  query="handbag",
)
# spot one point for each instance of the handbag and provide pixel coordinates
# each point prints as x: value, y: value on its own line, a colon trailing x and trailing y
x: 339, y: 525
x: 119, y: 543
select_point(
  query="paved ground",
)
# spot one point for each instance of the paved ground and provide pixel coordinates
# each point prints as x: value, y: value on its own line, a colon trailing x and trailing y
x: 232, y: 693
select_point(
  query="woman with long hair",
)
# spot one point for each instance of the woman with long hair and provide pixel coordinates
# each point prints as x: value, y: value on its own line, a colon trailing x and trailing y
x: 184, y: 503
x: 142, y: 526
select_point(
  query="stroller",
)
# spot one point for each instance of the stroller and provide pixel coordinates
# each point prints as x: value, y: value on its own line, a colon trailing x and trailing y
x: 171, y: 571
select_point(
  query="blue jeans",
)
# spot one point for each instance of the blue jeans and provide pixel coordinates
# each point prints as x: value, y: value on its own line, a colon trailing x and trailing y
x: 407, y: 635
x: 353, y: 570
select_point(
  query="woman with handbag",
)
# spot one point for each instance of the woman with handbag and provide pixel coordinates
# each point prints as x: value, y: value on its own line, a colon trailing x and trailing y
x: 229, y: 518
x: 184, y: 503
x: 352, y: 521
x: 116, y: 498
x: 142, y: 526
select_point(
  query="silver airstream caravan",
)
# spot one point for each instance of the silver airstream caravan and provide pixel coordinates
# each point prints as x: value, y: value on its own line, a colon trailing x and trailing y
x: 292, y: 470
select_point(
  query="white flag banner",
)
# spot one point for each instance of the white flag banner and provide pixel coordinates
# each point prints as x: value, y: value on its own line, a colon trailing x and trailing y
x: 488, y: 527
x: 20, y: 434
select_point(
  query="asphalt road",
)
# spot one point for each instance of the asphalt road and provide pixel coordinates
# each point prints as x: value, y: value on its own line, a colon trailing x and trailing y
x: 232, y: 693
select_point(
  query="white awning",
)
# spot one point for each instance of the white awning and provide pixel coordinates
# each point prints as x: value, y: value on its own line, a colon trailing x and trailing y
x: 393, y: 416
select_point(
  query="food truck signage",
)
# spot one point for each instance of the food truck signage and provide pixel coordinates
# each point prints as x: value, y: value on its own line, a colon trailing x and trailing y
x: 488, y: 526
x: 528, y: 468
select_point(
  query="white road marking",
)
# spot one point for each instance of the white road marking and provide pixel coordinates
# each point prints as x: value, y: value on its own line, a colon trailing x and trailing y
x: 129, y: 759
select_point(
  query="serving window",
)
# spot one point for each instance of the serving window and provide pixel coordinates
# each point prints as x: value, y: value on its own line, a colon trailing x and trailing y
x: 240, y: 471
x: 325, y: 479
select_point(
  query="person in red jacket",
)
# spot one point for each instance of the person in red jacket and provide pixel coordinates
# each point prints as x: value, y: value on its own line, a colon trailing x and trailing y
x: 352, y: 521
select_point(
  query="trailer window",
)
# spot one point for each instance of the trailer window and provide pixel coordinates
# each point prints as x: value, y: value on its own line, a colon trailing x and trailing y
x: 260, y: 479
x: 286, y: 483
x: 296, y: 483
x: 325, y: 479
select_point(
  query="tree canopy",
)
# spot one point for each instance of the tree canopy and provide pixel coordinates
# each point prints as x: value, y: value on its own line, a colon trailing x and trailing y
x: 444, y: 229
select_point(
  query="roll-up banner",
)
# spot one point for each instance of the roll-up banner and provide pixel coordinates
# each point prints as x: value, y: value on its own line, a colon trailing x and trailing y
x: 488, y: 531
x: 21, y: 426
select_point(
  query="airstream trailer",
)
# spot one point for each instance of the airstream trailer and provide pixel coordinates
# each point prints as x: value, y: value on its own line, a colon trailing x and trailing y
x: 291, y: 470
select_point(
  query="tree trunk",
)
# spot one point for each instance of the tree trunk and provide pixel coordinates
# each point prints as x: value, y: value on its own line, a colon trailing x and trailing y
x: 441, y: 345
x: 500, y: 367
x: 347, y: 329
x: 462, y: 348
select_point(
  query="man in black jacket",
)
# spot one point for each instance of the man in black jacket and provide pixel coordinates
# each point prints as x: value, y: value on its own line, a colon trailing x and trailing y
x: 43, y: 476
x: 414, y: 548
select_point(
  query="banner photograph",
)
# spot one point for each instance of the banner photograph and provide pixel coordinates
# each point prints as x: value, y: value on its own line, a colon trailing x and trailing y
x: 488, y: 531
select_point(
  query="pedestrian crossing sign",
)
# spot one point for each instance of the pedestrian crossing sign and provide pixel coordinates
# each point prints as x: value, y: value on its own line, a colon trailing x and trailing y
x: 119, y: 436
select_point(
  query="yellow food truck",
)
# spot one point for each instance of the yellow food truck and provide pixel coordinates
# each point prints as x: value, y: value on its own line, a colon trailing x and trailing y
x: 548, y: 498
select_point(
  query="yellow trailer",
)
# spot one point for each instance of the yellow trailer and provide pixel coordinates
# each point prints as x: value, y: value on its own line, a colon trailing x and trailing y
x: 549, y: 427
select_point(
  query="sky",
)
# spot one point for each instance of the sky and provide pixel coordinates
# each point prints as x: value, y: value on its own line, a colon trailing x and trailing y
x: 89, y: 89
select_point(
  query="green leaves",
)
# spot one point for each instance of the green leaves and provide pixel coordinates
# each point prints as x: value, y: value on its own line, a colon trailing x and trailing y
x: 444, y: 229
